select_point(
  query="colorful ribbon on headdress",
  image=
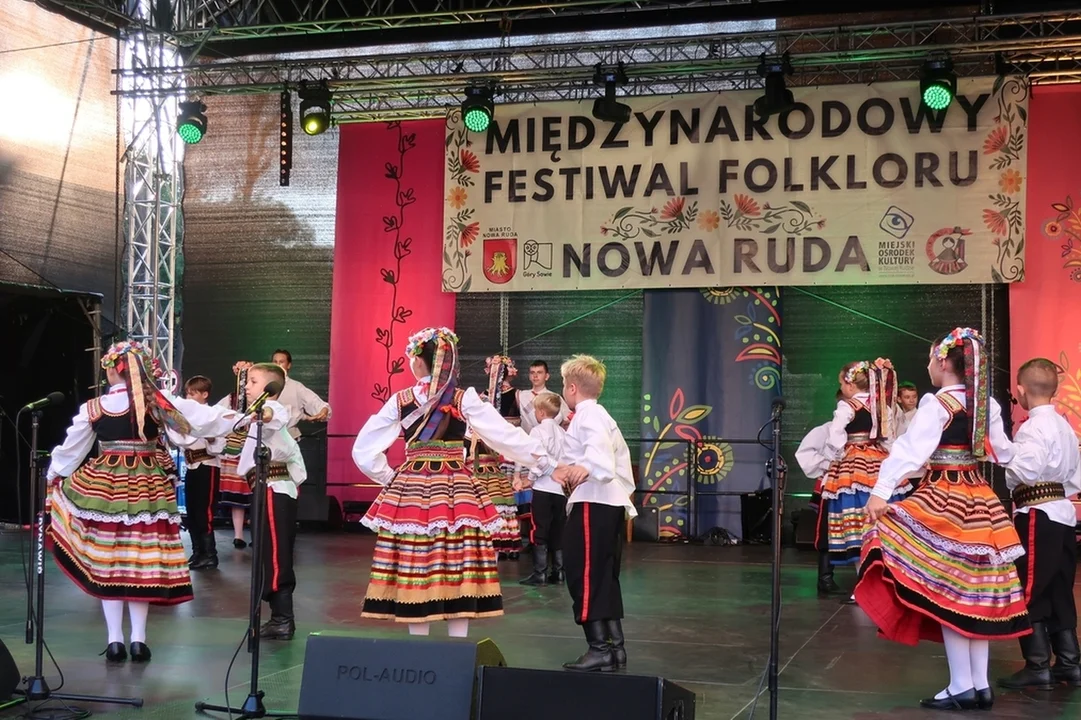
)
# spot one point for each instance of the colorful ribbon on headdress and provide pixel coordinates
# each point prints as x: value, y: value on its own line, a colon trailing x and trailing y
x: 882, y: 386
x: 140, y: 370
x: 444, y: 377
x: 977, y: 383
x: 499, y: 368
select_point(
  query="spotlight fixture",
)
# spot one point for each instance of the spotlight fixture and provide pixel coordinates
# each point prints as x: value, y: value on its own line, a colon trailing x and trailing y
x: 191, y: 121
x: 777, y: 98
x: 606, y: 108
x: 314, y: 108
x: 938, y: 83
x: 478, y: 109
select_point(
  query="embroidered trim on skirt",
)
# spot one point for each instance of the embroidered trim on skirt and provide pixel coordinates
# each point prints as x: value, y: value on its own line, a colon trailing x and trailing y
x: 115, y: 528
x: 944, y: 556
x: 433, y: 558
x: 234, y: 488
x: 490, y: 475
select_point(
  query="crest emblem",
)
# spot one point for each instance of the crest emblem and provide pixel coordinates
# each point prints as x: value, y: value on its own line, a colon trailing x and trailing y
x: 946, y: 250
x: 500, y: 259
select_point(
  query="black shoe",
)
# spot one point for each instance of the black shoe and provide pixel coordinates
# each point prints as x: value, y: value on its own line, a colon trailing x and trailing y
x: 963, y: 701
x: 599, y: 655
x: 826, y: 584
x: 501, y: 556
x: 512, y: 556
x: 985, y: 699
x: 534, y: 579
x: 140, y: 653
x: 1067, y: 657
x: 115, y: 653
x: 615, y: 638
x: 278, y: 629
x: 239, y: 544
x: 1036, y: 675
x: 557, y: 576
x: 207, y: 562
x: 540, y: 567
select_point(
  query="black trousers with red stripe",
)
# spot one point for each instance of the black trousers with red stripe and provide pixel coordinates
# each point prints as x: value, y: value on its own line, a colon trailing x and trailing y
x: 279, y: 539
x: 549, y: 520
x: 1047, y: 569
x: 201, y: 498
x: 592, y: 551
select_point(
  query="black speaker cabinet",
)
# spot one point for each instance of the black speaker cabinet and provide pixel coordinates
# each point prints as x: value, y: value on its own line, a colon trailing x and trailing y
x: 646, y: 526
x: 350, y: 678
x: 9, y: 673
x: 806, y: 523
x: 560, y: 695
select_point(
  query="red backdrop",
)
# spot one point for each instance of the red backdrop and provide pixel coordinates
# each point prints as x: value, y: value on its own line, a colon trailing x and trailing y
x: 387, y: 276
x: 1044, y: 308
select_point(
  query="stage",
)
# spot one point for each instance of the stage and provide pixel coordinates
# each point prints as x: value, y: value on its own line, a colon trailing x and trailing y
x: 696, y: 615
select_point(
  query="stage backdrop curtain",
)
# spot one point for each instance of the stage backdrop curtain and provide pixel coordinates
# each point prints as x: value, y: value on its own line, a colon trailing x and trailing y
x: 387, y: 266
x: 1044, y: 308
x: 711, y: 369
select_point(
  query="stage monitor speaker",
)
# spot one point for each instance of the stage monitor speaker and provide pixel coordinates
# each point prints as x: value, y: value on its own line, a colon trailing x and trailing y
x: 806, y: 521
x: 756, y: 509
x: 351, y: 678
x: 646, y: 526
x: 9, y: 673
x: 560, y: 695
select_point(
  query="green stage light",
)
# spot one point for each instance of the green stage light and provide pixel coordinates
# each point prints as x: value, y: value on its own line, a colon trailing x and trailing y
x: 191, y: 121
x: 314, y: 108
x: 938, y: 84
x: 477, y: 108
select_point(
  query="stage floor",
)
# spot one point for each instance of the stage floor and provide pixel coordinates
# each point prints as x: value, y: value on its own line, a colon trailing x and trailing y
x: 695, y: 615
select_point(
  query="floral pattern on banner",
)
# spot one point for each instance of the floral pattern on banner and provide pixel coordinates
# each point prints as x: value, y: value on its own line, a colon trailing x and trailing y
x: 743, y: 213
x: 759, y: 330
x: 1005, y: 142
x: 628, y: 223
x: 1065, y: 228
x: 791, y: 218
x: 1068, y: 398
x: 462, y: 230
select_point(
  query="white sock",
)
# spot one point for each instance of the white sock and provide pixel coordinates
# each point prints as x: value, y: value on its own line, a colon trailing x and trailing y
x: 138, y: 612
x: 957, y: 655
x: 458, y: 628
x: 419, y: 628
x: 114, y: 619
x: 979, y: 652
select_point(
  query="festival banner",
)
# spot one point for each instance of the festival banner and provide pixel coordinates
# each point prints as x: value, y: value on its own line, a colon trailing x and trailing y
x: 856, y: 184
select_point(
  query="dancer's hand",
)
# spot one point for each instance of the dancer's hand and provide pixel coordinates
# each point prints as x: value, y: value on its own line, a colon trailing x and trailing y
x: 876, y: 508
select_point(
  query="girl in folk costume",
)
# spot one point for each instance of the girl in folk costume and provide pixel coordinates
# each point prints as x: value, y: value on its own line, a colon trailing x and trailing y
x: 939, y: 565
x: 115, y: 527
x: 488, y: 465
x: 234, y: 488
x: 854, y: 440
x: 434, y: 558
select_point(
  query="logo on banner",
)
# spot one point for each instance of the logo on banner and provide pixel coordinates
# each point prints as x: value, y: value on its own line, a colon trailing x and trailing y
x: 500, y: 259
x: 538, y: 259
x: 946, y: 250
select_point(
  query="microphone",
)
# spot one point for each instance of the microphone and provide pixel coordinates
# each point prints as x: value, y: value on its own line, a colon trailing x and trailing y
x: 54, y: 398
x: 271, y: 389
x: 778, y: 406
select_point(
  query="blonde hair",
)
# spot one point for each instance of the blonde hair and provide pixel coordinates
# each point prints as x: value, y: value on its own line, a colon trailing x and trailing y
x: 549, y: 404
x: 1039, y: 377
x: 587, y: 372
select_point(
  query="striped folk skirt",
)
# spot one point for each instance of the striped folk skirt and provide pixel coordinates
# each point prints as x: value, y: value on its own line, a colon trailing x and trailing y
x: 497, y: 484
x: 433, y: 557
x: 115, y: 527
x: 234, y: 488
x: 846, y: 487
x: 944, y: 556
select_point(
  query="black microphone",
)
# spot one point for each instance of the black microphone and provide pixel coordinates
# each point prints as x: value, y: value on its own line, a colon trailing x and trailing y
x: 271, y: 389
x: 54, y: 398
x: 778, y: 406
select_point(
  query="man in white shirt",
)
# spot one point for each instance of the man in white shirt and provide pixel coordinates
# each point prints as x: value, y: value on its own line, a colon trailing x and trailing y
x: 908, y: 398
x: 538, y: 379
x: 302, y: 403
x: 1045, y: 470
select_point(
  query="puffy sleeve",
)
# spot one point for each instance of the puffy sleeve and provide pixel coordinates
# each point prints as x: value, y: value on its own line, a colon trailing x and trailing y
x: 913, y: 449
x: 598, y: 452
x: 1029, y: 457
x: 311, y: 404
x: 206, y: 421
x: 501, y: 436
x: 279, y: 417
x: 811, y: 455
x: 69, y: 455
x: 373, y: 441
x: 836, y: 434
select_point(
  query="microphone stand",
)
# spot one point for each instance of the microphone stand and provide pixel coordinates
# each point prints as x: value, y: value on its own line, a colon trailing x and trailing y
x: 778, y: 477
x: 36, y: 687
x: 253, y: 706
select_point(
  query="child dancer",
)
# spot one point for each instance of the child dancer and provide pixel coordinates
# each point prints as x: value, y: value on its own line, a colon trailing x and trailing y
x: 939, y: 565
x: 488, y: 468
x: 549, y: 502
x: 1044, y: 471
x: 599, y: 483
x: 200, y: 482
x: 235, y: 491
x: 860, y: 426
x: 115, y: 527
x: 434, y: 558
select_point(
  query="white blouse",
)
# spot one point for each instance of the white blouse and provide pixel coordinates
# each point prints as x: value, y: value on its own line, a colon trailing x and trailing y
x: 1045, y: 450
x: 837, y: 435
x: 811, y: 454
x: 595, y: 443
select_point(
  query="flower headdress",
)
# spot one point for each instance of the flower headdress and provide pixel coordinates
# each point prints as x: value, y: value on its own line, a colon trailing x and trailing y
x: 882, y: 386
x: 140, y: 369
x: 856, y: 369
x: 444, y: 376
x: 499, y: 368
x: 977, y: 382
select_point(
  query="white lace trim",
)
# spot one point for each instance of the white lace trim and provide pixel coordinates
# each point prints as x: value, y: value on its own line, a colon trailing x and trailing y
x: 851, y: 490
x: 143, y: 518
x: 433, y: 528
x: 953, y: 546
x: 506, y: 509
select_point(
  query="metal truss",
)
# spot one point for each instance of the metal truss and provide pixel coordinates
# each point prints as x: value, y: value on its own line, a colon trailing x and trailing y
x: 423, y: 84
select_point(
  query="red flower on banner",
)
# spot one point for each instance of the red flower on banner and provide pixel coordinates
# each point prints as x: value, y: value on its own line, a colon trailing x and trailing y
x: 996, y: 139
x: 996, y: 222
x: 673, y: 208
x: 747, y: 205
x: 469, y: 234
x: 470, y: 163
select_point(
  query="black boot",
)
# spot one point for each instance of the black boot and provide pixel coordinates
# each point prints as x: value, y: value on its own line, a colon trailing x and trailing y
x: 210, y: 553
x: 599, y: 655
x: 540, y: 567
x: 281, y: 625
x: 1067, y: 667
x: 615, y: 637
x: 557, y: 576
x: 197, y: 551
x: 826, y: 584
x: 1036, y: 675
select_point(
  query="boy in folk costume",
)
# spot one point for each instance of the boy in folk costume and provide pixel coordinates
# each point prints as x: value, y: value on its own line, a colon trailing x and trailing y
x: 489, y: 470
x: 855, y: 441
x: 1044, y: 471
x: 597, y: 478
x: 235, y: 491
x: 549, y: 504
x: 200, y: 482
x: 115, y: 526
x: 434, y: 558
x: 939, y: 565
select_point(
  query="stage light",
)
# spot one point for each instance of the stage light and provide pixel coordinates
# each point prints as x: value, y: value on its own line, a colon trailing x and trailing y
x: 777, y: 98
x: 478, y: 109
x: 285, y: 151
x: 191, y: 121
x: 938, y: 83
x: 606, y: 108
x: 314, y: 108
